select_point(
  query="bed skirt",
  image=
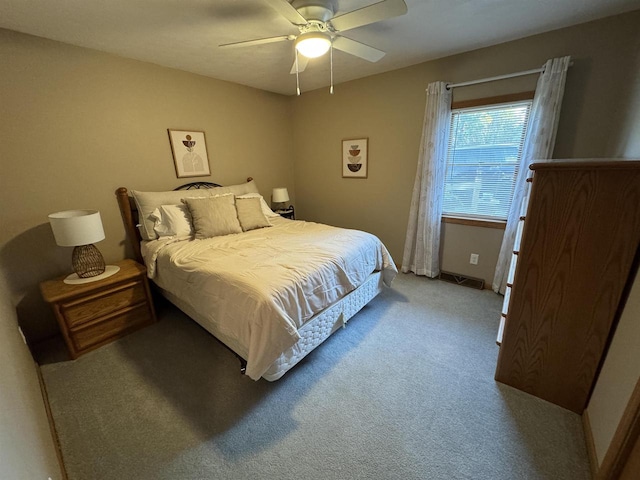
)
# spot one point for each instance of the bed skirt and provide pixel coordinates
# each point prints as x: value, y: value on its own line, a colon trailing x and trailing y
x: 315, y: 331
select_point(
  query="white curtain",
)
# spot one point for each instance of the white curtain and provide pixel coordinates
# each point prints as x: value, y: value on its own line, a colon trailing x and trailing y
x: 422, y: 244
x: 538, y: 146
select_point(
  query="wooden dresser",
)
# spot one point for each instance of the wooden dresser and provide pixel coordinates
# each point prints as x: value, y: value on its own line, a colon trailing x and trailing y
x: 93, y: 314
x: 575, y: 249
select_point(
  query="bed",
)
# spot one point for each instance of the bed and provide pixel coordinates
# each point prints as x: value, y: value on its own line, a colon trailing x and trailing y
x: 270, y: 289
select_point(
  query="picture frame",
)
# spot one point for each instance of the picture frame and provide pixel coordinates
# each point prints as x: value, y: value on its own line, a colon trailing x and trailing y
x: 355, y: 157
x: 189, y: 150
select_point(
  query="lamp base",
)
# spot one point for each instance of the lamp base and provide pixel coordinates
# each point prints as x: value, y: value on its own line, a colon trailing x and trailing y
x: 87, y: 261
x: 74, y: 279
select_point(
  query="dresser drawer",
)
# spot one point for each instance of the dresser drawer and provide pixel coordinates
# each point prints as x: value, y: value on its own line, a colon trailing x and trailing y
x: 110, y: 328
x: 100, y: 304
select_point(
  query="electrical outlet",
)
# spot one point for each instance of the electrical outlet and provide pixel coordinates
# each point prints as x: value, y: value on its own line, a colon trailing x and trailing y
x: 474, y: 259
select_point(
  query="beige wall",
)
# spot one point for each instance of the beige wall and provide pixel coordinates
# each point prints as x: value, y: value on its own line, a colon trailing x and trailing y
x: 26, y: 444
x: 388, y: 109
x: 457, y: 246
x: 621, y: 369
x: 618, y: 377
x: 76, y: 124
x: 630, y: 135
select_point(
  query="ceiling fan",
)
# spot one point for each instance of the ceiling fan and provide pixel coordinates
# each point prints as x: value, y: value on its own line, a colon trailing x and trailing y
x: 319, y: 29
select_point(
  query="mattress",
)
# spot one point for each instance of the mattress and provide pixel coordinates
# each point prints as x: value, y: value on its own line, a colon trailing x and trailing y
x: 262, y: 292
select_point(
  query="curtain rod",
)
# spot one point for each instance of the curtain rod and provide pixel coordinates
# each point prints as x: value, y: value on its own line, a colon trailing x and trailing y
x: 499, y: 77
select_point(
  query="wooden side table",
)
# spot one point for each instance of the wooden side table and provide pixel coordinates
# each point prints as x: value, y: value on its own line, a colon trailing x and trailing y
x: 93, y: 314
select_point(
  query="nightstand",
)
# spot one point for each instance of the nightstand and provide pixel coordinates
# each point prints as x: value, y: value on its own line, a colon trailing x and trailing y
x: 93, y: 314
x: 289, y: 213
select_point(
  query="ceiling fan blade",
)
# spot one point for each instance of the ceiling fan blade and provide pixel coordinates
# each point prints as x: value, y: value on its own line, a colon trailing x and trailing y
x: 371, y: 14
x: 302, y: 64
x: 285, y: 9
x: 258, y: 41
x: 358, y: 49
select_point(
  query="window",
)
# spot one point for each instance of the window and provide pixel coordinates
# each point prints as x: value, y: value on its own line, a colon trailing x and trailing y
x: 485, y: 147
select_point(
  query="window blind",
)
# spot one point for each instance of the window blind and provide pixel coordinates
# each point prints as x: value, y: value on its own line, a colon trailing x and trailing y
x: 483, y: 155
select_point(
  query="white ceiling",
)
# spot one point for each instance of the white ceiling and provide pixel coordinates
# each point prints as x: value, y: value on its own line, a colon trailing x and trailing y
x: 185, y: 34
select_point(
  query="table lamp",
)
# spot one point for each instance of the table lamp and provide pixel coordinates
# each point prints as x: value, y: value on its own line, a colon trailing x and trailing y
x: 279, y: 197
x: 81, y: 229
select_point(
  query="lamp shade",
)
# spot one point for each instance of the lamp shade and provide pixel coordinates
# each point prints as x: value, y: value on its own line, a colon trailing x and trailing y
x: 313, y: 44
x: 280, y: 195
x: 72, y: 228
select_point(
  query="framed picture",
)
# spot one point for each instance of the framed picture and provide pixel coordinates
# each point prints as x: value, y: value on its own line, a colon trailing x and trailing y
x: 189, y: 149
x: 355, y: 162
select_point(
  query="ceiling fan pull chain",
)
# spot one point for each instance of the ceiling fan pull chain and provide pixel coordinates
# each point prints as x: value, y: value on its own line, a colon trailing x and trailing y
x: 331, y: 60
x: 295, y: 50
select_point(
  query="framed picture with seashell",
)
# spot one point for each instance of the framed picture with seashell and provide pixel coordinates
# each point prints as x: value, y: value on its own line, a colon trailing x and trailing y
x: 189, y: 148
x: 355, y: 162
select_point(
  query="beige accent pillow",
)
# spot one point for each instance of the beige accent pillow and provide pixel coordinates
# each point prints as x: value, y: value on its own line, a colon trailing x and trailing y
x: 250, y: 213
x: 265, y: 208
x: 214, y: 216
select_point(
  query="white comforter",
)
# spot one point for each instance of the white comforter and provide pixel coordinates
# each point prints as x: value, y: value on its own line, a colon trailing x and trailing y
x: 259, y: 287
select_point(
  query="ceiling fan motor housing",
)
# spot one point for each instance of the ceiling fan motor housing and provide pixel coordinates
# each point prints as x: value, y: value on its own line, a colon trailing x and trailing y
x: 315, y: 9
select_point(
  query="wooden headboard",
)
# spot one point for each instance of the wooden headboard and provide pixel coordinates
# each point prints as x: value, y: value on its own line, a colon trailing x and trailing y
x: 130, y: 217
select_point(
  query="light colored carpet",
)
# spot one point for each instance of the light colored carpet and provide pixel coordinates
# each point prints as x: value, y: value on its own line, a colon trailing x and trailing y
x: 405, y: 391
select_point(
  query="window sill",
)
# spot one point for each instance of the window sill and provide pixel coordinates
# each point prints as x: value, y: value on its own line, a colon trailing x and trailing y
x: 476, y: 222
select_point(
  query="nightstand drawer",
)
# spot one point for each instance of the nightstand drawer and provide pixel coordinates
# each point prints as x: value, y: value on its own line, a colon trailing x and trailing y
x: 100, y: 304
x: 110, y: 328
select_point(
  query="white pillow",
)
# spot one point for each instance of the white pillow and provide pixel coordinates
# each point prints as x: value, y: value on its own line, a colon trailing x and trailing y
x: 170, y: 220
x: 265, y: 208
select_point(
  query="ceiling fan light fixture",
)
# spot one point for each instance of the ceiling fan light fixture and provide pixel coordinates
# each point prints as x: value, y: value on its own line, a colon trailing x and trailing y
x: 313, y: 44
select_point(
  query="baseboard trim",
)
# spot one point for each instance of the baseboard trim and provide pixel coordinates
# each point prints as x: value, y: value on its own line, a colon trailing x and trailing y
x: 591, y: 446
x: 52, y: 425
